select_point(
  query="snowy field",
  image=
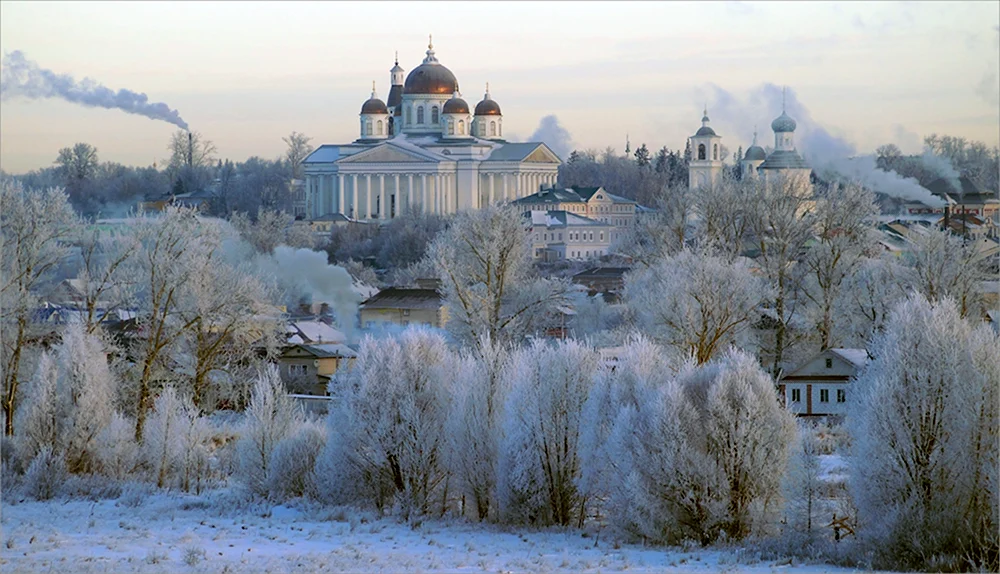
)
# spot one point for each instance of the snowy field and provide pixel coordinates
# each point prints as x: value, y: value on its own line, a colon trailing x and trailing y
x: 143, y: 532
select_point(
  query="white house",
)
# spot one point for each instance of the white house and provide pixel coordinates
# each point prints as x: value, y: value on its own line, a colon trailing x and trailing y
x: 821, y: 385
x: 555, y: 235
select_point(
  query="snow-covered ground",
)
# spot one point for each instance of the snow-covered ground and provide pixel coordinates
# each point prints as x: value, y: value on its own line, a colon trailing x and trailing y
x: 156, y: 532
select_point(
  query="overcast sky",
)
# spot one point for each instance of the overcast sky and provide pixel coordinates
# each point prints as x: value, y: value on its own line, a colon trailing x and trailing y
x: 245, y: 74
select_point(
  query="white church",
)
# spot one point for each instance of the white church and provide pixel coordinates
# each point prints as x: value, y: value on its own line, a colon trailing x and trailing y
x: 424, y: 149
x: 784, y: 161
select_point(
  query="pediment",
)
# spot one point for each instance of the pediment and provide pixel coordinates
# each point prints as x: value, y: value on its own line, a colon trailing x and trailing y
x: 541, y: 155
x: 385, y: 154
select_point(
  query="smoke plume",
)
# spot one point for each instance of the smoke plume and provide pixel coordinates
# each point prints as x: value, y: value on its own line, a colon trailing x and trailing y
x: 942, y: 167
x: 553, y: 135
x: 831, y: 156
x: 21, y: 77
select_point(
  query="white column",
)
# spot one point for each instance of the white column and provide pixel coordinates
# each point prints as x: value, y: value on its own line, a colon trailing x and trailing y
x: 340, y: 193
x: 368, y: 196
x: 493, y: 198
x: 354, y: 196
x: 504, y: 187
x: 435, y: 193
x: 409, y: 192
x: 425, y: 197
x: 398, y: 195
x: 383, y: 208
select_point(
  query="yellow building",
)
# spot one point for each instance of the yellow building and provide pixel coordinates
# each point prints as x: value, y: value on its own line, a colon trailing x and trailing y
x: 307, y: 369
x: 404, y: 307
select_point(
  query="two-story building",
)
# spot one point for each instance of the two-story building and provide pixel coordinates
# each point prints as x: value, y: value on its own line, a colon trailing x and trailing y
x: 591, y: 202
x: 820, y: 386
x: 555, y: 235
x: 307, y: 369
x: 404, y: 307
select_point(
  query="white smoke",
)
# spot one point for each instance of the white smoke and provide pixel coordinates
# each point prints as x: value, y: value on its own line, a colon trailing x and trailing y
x: 831, y: 156
x: 553, y: 135
x: 942, y: 167
x: 21, y: 77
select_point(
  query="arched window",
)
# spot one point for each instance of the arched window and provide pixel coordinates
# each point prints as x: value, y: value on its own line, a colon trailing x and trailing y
x: 420, y: 114
x: 409, y: 116
x: 434, y: 115
x: 493, y: 128
x: 701, y: 151
x: 368, y: 127
x: 461, y: 127
x: 378, y: 127
x: 482, y: 129
x: 715, y: 151
x: 451, y: 127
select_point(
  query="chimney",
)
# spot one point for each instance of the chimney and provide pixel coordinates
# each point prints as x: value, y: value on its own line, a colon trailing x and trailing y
x: 190, y: 149
x: 947, y: 217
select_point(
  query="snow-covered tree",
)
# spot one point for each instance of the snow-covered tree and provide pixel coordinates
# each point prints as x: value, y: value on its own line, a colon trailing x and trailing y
x: 386, y: 443
x: 704, y: 455
x: 118, y: 455
x: 293, y: 461
x: 474, y: 426
x: 39, y: 418
x: 802, y: 486
x: 724, y: 216
x: 164, y: 444
x: 34, y: 230
x: 697, y: 303
x: 868, y: 295
x: 271, y: 417
x: 924, y: 422
x: 844, y: 225
x: 540, y: 462
x: 943, y: 266
x: 484, y: 262
x: 661, y: 233
x: 298, y: 149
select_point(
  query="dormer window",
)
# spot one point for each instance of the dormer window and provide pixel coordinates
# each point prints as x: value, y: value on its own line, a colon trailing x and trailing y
x: 829, y: 363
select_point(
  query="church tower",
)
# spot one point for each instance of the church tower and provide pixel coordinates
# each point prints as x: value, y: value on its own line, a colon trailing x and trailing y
x: 395, y: 94
x: 755, y: 155
x: 705, y: 167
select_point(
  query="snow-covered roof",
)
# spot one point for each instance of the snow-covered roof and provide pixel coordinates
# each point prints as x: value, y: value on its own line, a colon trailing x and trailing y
x: 317, y: 332
x: 330, y: 350
x: 324, y: 154
x: 554, y: 218
x: 857, y: 357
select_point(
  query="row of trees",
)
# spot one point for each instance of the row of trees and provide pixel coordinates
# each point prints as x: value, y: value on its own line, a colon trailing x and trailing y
x: 108, y: 189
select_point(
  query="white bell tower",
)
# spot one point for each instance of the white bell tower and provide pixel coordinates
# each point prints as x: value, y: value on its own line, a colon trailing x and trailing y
x: 706, y: 166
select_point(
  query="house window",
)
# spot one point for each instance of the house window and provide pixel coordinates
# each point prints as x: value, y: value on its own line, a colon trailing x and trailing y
x: 368, y: 128
x: 420, y: 114
x: 493, y: 128
x: 434, y: 115
x: 715, y: 151
x: 824, y: 395
x: 560, y: 237
x: 841, y: 396
x: 406, y: 312
x: 451, y: 127
x: 829, y: 363
x: 409, y: 116
x: 602, y: 236
x: 378, y: 127
x: 701, y: 150
x: 796, y: 395
x: 461, y: 127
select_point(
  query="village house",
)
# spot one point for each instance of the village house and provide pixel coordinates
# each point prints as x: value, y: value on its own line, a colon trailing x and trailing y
x: 307, y: 369
x: 555, y: 235
x: 591, y: 202
x: 404, y: 307
x: 820, y: 386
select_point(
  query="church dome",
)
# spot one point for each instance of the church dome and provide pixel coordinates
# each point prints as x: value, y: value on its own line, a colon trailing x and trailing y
x: 455, y: 105
x: 374, y: 106
x: 430, y: 77
x: 783, y: 123
x: 705, y: 131
x: 488, y: 107
x: 754, y: 153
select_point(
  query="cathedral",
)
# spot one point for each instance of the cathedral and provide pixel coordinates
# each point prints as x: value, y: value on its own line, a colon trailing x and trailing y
x: 784, y: 161
x: 424, y: 149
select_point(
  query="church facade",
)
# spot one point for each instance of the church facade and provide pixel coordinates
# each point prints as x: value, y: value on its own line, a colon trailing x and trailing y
x: 784, y: 161
x: 424, y: 149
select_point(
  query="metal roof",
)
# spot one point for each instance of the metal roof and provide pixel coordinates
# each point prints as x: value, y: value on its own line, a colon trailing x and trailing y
x: 784, y: 159
x: 397, y: 298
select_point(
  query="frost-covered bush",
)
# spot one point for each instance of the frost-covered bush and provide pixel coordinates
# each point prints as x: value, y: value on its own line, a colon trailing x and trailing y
x: 292, y: 462
x: 271, y: 417
x: 474, y: 426
x: 925, y: 455
x: 38, y: 419
x: 540, y: 461
x: 703, y: 455
x: 165, y: 444
x: 45, y: 475
x: 386, y: 440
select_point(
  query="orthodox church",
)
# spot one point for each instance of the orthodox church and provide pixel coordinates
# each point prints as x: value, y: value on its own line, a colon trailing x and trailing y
x: 424, y: 149
x: 784, y: 161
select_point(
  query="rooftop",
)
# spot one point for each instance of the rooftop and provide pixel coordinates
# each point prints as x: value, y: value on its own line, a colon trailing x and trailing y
x: 398, y: 298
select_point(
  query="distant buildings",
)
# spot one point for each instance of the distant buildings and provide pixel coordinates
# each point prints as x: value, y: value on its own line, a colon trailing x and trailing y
x: 555, y: 235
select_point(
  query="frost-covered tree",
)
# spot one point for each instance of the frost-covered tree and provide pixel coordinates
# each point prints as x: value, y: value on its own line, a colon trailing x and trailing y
x: 661, y: 233
x: 723, y: 216
x: 704, y: 455
x: 540, y: 463
x: 271, y: 417
x: 165, y: 444
x: 293, y: 461
x: 697, y: 303
x: 868, y: 296
x: 484, y: 262
x: 38, y: 418
x: 386, y: 445
x: 118, y: 455
x: 34, y: 230
x: 298, y: 149
x: 944, y: 267
x: 475, y: 424
x: 271, y: 228
x: 924, y: 422
x: 641, y: 366
x: 844, y: 225
x: 102, y: 259
x: 802, y: 486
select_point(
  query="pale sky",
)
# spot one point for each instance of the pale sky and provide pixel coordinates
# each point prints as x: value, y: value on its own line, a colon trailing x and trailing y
x: 244, y: 74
